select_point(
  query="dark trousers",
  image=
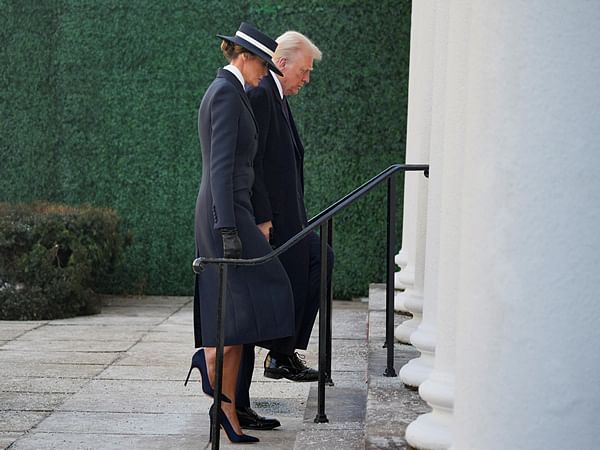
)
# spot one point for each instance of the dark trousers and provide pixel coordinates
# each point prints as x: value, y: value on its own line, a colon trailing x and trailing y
x: 305, y: 317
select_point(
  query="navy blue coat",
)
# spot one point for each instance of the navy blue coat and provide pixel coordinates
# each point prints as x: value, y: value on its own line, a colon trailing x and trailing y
x: 278, y: 192
x: 259, y: 302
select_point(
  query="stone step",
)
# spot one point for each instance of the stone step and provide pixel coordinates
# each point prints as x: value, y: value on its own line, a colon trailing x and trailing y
x: 391, y: 405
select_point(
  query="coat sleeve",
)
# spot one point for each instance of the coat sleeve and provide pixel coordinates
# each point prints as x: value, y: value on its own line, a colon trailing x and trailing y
x: 224, y: 117
x: 261, y: 105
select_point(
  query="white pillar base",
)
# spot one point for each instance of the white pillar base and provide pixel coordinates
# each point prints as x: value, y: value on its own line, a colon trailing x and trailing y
x: 413, y: 302
x: 430, y: 431
x: 405, y: 279
x: 401, y: 259
x: 417, y: 370
x: 399, y: 301
x: 405, y: 329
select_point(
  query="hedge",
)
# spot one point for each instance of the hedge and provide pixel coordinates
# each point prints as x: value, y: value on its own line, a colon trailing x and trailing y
x: 55, y: 258
x: 99, y: 105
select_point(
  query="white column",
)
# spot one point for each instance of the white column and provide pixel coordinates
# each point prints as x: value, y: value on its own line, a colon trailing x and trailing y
x: 434, y: 430
x: 417, y: 144
x: 405, y: 259
x: 527, y: 361
x: 424, y: 337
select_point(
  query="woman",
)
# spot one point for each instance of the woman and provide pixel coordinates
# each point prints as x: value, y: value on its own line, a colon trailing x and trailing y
x: 259, y: 298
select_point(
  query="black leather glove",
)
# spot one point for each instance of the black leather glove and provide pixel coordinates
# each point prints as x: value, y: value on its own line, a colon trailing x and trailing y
x: 232, y: 246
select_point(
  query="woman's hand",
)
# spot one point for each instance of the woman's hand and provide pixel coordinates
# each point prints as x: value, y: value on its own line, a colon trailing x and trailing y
x: 266, y: 229
x: 232, y: 245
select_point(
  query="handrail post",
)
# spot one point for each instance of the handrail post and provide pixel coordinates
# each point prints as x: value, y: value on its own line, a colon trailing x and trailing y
x: 220, y: 344
x: 328, y: 379
x: 321, y: 416
x: 389, y: 289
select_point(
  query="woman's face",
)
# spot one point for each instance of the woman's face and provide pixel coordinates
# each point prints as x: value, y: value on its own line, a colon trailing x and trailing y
x: 255, y: 69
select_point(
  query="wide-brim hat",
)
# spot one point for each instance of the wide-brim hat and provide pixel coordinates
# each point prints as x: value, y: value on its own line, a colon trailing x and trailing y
x: 255, y: 42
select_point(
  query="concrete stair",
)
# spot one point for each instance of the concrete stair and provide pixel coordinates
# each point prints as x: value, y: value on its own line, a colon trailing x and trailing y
x: 366, y: 410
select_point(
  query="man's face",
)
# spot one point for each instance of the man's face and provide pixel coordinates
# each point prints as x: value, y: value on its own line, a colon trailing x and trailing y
x: 296, y: 71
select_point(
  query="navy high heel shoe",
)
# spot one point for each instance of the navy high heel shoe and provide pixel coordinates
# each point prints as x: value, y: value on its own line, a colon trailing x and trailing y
x: 229, y: 431
x: 199, y: 362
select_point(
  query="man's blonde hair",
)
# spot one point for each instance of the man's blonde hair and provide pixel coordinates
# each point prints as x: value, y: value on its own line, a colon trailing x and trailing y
x: 292, y: 42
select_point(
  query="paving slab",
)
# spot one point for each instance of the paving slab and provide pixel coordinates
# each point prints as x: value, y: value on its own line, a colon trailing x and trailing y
x: 30, y: 401
x: 172, y: 349
x: 264, y: 388
x: 42, y: 345
x: 155, y: 359
x: 126, y: 423
x: 292, y: 408
x: 349, y: 324
x: 101, y: 333
x: 113, y: 318
x: 118, y: 388
x: 32, y: 355
x: 7, y: 438
x: 160, y: 301
x: 47, y: 370
x: 325, y: 438
x: 20, y: 421
x: 168, y: 373
x: 11, y: 329
x: 165, y: 335
x: 42, y: 384
x: 348, y: 355
x: 91, y: 441
x: 138, y: 403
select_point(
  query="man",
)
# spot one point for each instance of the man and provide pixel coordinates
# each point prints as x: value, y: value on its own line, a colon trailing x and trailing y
x: 278, y: 201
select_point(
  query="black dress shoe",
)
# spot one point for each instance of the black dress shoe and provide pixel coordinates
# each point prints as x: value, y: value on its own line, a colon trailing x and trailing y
x: 249, y: 419
x: 307, y: 373
x: 289, y: 367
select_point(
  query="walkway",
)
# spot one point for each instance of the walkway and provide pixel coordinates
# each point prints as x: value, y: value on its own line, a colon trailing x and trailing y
x: 115, y: 381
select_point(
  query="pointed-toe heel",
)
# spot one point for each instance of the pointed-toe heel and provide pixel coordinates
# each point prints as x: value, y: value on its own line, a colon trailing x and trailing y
x: 233, y: 437
x: 199, y: 362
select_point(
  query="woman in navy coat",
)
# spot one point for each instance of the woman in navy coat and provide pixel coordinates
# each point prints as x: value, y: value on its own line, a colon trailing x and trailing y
x: 259, y: 303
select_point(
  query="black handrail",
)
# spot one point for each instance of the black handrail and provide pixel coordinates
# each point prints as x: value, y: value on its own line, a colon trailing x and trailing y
x: 324, y: 215
x: 324, y: 220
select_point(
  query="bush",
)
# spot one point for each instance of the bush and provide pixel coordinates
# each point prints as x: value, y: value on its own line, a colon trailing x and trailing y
x: 54, y: 257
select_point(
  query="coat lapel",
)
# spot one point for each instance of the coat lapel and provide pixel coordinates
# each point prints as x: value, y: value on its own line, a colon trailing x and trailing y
x: 287, y: 114
x: 236, y: 83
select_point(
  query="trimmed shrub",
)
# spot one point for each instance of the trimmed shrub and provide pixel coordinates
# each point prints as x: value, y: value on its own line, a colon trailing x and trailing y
x: 53, y: 258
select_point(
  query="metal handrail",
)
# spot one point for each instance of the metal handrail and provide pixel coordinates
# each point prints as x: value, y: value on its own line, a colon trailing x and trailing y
x: 341, y: 204
x: 324, y: 221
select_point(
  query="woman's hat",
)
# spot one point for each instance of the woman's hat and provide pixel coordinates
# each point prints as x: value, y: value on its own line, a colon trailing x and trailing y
x: 256, y: 42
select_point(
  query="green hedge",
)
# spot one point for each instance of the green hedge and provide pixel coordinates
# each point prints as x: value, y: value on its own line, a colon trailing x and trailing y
x: 54, y: 258
x: 99, y: 105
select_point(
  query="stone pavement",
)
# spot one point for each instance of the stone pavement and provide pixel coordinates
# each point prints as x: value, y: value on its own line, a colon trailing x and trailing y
x: 115, y: 381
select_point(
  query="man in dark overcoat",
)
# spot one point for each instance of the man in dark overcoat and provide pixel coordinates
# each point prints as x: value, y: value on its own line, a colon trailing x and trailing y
x: 280, y: 213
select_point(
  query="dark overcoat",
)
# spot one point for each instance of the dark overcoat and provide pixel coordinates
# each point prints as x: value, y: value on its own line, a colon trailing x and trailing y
x: 278, y: 192
x: 259, y: 302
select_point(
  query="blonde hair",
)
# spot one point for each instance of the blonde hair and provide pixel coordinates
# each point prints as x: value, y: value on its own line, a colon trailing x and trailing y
x: 290, y: 43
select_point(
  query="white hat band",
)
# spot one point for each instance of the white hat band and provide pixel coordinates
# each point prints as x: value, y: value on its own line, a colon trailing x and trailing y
x: 254, y: 42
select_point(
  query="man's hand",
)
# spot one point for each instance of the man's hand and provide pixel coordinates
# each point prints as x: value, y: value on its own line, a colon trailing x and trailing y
x: 265, y: 228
